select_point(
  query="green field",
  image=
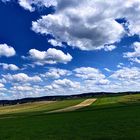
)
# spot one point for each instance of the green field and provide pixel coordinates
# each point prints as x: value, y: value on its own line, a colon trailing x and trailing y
x: 109, y: 118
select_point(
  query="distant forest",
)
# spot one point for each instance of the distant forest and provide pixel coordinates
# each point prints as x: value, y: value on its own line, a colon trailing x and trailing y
x: 62, y: 97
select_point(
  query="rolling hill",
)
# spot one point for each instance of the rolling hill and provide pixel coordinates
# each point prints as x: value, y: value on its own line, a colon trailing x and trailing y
x: 108, y: 118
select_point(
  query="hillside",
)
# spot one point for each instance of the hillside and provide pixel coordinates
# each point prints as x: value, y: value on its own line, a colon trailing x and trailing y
x: 110, y: 117
x: 62, y: 97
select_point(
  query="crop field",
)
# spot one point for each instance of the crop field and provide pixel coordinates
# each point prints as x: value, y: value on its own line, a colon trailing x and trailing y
x: 101, y: 118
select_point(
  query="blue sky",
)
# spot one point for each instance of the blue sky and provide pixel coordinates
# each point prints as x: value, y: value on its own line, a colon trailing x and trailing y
x: 65, y: 47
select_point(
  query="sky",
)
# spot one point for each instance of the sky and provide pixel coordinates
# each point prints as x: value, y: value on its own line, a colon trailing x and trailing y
x: 64, y: 47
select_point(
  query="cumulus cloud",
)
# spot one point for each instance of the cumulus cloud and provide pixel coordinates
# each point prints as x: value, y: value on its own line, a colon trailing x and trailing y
x: 66, y: 83
x: 90, y: 29
x: 91, y: 76
x: 55, y: 43
x: 12, y: 67
x: 135, y: 55
x: 76, y: 32
x: 123, y: 79
x: 26, y: 4
x: 51, y: 56
x: 88, y: 73
x: 6, y: 50
x: 90, y: 25
x: 1, y: 85
x: 120, y: 65
x: 103, y: 82
x: 22, y: 88
x: 87, y: 25
x: 56, y: 73
x: 63, y: 84
x: 21, y: 77
x: 127, y: 74
x: 109, y: 47
x: 31, y: 4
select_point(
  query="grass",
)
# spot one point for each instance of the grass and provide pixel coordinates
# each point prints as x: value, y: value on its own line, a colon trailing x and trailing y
x: 109, y: 118
x: 38, y: 106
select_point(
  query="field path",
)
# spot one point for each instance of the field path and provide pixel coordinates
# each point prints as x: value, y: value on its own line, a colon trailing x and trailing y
x: 85, y: 103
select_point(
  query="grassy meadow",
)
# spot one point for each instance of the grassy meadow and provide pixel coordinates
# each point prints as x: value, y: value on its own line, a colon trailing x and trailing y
x: 109, y: 118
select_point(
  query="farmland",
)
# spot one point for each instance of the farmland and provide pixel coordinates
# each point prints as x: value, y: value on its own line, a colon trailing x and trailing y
x: 108, y: 118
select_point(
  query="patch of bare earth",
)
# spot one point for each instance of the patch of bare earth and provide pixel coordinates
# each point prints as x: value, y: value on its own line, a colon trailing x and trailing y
x: 83, y: 104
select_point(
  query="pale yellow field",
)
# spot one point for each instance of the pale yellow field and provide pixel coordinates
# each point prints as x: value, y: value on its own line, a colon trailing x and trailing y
x: 38, y: 106
x: 85, y: 103
x: 23, y: 107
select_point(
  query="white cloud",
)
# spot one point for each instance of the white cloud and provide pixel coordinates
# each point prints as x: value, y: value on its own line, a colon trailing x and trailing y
x: 22, y: 85
x: 55, y: 43
x: 103, y: 82
x: 64, y: 84
x: 9, y: 66
x: 96, y: 85
x: 22, y: 88
x: 2, y: 80
x: 135, y: 55
x: 37, y: 55
x: 6, y: 50
x: 55, y: 73
x: 30, y: 4
x: 79, y: 34
x: 107, y: 69
x: 51, y: 56
x: 127, y: 74
x: 125, y: 79
x: 1, y: 85
x: 109, y: 47
x: 90, y: 25
x: 91, y: 77
x: 26, y: 4
x: 90, y: 29
x: 133, y: 16
x: 21, y: 77
x: 88, y: 73
x: 120, y: 65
